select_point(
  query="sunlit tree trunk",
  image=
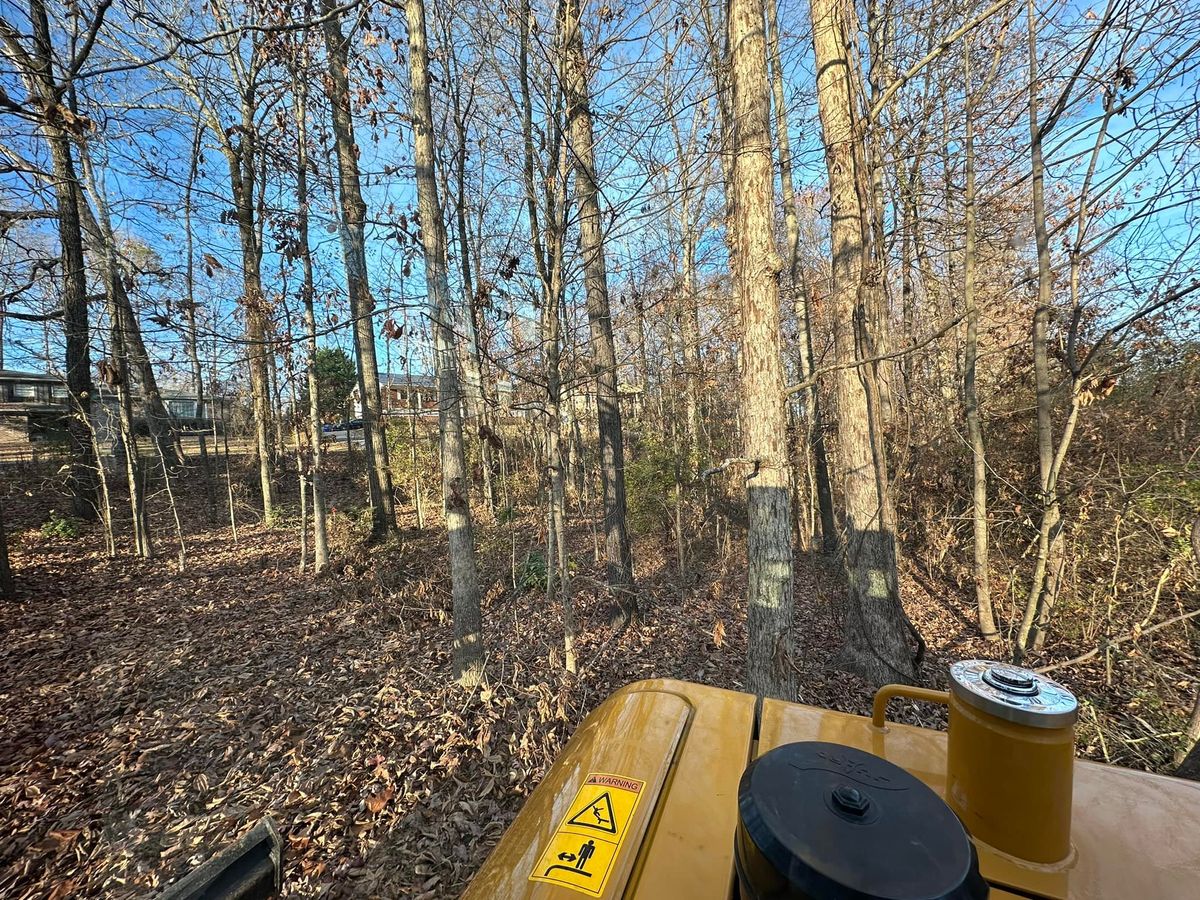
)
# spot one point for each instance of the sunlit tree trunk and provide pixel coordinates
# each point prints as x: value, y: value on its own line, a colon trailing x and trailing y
x: 979, y: 489
x: 769, y: 598
x: 468, y: 628
x: 241, y: 159
x: 1051, y: 519
x: 802, y: 298
x: 320, y: 529
x: 876, y: 630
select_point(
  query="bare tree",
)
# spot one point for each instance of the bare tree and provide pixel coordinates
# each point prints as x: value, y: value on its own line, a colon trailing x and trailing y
x: 464, y: 577
x: 876, y: 628
x: 604, y: 358
x: 801, y: 291
x: 320, y: 530
x: 769, y: 599
x: 352, y: 225
x: 55, y: 120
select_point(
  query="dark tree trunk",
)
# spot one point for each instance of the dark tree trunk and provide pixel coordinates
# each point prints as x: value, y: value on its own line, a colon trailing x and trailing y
x: 604, y: 357
x: 354, y: 211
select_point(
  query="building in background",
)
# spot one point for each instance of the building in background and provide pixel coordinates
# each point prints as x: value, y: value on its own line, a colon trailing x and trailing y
x: 34, y: 407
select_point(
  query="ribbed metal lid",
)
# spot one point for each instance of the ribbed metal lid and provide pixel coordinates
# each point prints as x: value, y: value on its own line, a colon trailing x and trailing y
x: 1013, y: 694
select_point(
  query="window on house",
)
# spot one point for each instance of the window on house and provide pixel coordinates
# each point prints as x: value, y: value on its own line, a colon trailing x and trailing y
x: 181, y: 409
x: 24, y: 391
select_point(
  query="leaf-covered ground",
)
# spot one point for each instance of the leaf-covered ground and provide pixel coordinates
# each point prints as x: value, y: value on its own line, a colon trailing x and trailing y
x: 152, y: 715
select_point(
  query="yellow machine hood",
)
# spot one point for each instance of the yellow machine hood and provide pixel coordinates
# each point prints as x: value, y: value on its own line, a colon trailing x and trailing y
x: 643, y: 803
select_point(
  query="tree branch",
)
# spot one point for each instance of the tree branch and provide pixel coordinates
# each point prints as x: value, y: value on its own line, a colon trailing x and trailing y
x: 1131, y: 635
x: 903, y: 351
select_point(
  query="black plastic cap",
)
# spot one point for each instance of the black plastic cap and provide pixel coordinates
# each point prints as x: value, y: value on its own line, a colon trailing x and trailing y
x: 821, y: 821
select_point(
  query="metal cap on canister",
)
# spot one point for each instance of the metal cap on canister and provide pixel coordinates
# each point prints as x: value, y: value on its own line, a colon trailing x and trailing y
x: 819, y: 821
x: 1013, y: 694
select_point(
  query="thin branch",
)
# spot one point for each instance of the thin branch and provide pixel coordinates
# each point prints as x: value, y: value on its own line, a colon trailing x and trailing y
x: 1131, y: 635
x: 903, y: 351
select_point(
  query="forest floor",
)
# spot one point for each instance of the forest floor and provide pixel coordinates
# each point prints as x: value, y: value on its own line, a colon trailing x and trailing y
x: 152, y: 714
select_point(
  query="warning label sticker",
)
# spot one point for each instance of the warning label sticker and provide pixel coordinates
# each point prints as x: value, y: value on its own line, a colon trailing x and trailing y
x: 581, y: 853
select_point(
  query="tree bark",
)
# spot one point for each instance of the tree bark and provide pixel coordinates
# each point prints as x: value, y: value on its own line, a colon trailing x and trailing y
x: 240, y: 158
x: 979, y: 489
x: 619, y: 569
x: 1050, y: 521
x: 468, y: 627
x: 320, y: 529
x: 769, y: 598
x: 801, y: 295
x: 354, y: 210
x: 81, y: 474
x: 876, y: 628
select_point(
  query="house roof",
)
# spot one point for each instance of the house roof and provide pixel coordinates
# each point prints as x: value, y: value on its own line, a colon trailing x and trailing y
x: 16, y: 375
x: 404, y: 379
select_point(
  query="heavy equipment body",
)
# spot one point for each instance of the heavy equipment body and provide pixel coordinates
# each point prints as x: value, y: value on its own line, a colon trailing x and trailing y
x: 1132, y: 835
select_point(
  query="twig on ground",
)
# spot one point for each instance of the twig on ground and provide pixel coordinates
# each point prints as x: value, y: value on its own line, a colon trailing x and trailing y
x: 1108, y: 645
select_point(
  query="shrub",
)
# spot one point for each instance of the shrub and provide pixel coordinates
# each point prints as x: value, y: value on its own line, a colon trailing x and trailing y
x: 60, y: 527
x: 531, y: 574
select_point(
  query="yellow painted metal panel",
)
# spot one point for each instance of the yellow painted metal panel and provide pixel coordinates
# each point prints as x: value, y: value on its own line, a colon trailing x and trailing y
x: 1135, y: 836
x: 633, y: 734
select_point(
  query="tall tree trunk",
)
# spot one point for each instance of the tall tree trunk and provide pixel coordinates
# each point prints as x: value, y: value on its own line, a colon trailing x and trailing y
x: 354, y: 211
x: 619, y: 569
x: 81, y: 474
x: 241, y: 158
x: 192, y: 333
x: 876, y: 628
x: 116, y: 373
x: 320, y: 529
x: 769, y: 598
x: 979, y: 490
x: 464, y: 578
x: 1050, y: 520
x: 546, y: 235
x: 801, y: 294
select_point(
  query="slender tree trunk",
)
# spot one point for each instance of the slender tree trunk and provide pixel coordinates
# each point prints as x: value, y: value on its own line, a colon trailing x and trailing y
x: 979, y: 489
x: 118, y: 381
x: 546, y: 235
x: 604, y: 358
x: 468, y: 628
x: 117, y: 372
x: 354, y: 210
x: 801, y: 295
x: 7, y: 586
x: 876, y: 628
x: 1050, y: 523
x: 192, y: 334
x: 315, y: 475
x: 769, y: 597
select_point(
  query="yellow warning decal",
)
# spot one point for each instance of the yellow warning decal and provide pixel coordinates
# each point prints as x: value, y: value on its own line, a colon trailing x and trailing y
x: 583, y: 849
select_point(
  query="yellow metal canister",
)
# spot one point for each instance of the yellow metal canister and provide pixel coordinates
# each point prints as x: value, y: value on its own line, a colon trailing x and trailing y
x: 1010, y: 759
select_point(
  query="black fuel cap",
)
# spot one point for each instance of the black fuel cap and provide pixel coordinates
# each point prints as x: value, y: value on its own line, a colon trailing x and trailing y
x: 821, y: 821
